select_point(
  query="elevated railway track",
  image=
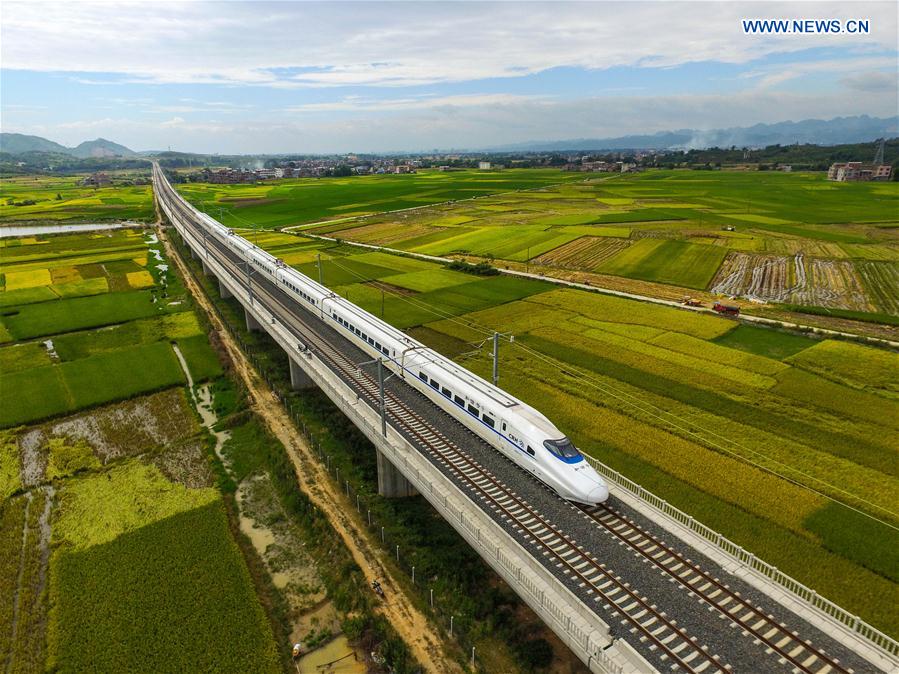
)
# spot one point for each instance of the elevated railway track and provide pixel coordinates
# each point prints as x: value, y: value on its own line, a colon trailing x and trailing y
x: 675, y: 609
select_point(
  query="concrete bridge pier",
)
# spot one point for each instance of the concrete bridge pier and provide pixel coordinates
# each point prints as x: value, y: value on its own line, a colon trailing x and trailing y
x: 252, y: 324
x: 207, y: 269
x: 224, y: 292
x: 391, y: 483
x: 298, y: 378
x: 194, y: 255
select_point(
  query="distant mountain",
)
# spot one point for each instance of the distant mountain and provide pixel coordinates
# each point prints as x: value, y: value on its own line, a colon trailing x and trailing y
x: 17, y: 143
x: 837, y: 131
x: 101, y: 148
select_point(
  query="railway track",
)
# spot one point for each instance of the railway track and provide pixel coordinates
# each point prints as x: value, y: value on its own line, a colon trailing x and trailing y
x: 635, y: 612
x: 755, y: 623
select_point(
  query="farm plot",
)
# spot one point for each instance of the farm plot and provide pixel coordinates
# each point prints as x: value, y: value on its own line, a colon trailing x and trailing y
x: 385, y: 233
x: 853, y: 364
x: 881, y: 280
x: 762, y: 278
x: 123, y: 569
x: 29, y: 395
x: 57, y: 198
x: 587, y: 252
x: 667, y: 261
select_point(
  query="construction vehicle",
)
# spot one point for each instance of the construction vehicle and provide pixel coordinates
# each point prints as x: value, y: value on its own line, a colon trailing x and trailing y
x: 691, y: 302
x: 726, y: 309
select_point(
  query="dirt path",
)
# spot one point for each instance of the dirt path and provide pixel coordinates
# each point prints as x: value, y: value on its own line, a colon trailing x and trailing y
x: 424, y: 642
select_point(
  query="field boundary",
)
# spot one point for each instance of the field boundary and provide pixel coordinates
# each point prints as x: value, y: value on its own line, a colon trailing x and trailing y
x: 748, y: 318
x: 879, y: 648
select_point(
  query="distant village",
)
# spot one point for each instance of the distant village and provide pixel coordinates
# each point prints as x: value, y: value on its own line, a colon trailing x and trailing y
x: 352, y: 165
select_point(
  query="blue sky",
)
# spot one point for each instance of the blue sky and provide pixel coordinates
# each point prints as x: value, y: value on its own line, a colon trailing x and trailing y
x: 383, y: 76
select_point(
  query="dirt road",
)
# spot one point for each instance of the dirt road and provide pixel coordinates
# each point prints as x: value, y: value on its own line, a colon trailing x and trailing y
x: 424, y: 642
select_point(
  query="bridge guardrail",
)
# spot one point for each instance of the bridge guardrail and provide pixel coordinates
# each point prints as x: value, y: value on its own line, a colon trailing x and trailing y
x: 851, y: 622
x: 488, y: 549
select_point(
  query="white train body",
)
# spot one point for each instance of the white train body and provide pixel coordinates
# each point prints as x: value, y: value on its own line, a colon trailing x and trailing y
x: 515, y: 429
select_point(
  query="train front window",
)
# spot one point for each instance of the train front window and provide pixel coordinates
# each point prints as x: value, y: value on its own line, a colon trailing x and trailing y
x: 563, y: 448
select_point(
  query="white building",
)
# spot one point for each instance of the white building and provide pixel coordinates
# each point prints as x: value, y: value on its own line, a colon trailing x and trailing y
x: 483, y: 165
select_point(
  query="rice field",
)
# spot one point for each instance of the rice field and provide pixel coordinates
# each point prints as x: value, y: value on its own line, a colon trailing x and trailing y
x: 280, y: 203
x: 773, y: 418
x: 841, y: 284
x: 87, y: 319
x: 586, y: 252
x: 729, y: 233
x: 124, y: 558
x: 63, y: 198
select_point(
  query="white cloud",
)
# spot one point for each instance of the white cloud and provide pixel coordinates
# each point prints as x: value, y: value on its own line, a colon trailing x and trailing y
x: 771, y: 76
x: 358, y: 104
x: 309, y: 44
x: 488, y: 124
x: 871, y: 81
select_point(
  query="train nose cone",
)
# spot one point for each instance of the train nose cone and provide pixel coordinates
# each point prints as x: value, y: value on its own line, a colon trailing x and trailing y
x: 598, y: 494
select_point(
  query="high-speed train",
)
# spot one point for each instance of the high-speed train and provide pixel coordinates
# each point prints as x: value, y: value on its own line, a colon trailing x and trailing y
x: 515, y: 429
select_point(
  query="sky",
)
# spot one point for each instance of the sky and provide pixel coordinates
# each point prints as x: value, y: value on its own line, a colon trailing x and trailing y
x: 323, y: 77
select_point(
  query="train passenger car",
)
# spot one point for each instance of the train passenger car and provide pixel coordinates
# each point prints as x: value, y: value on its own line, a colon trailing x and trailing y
x: 518, y: 431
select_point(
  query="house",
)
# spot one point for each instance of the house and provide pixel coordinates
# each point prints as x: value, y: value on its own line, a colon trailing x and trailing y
x: 483, y: 165
x: 97, y: 180
x: 856, y: 171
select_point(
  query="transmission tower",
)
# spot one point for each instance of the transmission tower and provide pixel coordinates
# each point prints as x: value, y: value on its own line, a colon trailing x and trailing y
x: 878, y: 156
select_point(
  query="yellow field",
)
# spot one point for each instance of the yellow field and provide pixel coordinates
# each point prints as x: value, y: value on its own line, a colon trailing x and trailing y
x: 139, y: 279
x: 32, y: 278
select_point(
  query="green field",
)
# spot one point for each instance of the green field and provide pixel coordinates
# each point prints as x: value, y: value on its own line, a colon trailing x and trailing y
x: 280, y: 203
x: 91, y: 321
x: 656, y: 391
x: 124, y: 569
x: 684, y: 226
x: 64, y: 198
x: 124, y: 554
x: 674, y: 262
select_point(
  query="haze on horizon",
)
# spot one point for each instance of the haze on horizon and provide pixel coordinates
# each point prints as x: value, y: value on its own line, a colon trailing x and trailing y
x: 253, y: 77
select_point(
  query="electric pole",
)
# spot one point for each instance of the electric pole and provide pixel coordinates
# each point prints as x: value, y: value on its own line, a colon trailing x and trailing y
x: 495, y: 358
x: 381, y: 390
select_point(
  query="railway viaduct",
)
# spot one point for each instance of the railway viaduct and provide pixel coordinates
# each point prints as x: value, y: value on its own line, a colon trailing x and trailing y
x: 631, y: 586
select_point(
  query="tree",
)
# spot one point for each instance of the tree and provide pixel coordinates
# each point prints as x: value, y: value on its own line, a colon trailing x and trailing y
x: 58, y: 196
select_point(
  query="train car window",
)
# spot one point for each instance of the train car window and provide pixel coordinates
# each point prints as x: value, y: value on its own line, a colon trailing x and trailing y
x: 386, y: 351
x: 504, y: 425
x: 447, y: 392
x: 531, y: 451
x: 474, y: 410
x: 377, y: 346
x: 371, y: 341
x: 435, y: 384
x: 488, y: 421
x: 423, y: 377
x: 459, y: 400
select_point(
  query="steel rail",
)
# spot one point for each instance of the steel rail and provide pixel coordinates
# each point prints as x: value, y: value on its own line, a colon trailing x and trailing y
x: 636, y: 610
x: 764, y: 627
